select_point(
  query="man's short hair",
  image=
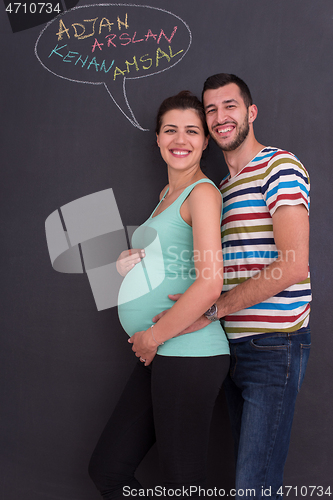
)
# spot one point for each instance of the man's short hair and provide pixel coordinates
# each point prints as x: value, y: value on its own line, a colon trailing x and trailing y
x: 222, y: 79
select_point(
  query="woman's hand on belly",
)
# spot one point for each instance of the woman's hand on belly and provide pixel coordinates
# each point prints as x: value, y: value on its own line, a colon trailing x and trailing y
x: 144, y: 346
x: 128, y: 259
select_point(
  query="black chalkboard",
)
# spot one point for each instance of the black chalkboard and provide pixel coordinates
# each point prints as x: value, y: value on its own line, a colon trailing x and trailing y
x: 80, y: 89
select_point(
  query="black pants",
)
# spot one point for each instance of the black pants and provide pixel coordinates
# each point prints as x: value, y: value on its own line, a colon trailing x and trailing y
x: 170, y: 402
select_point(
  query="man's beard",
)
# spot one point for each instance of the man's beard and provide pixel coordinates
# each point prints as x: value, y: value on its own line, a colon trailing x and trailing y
x: 239, y: 139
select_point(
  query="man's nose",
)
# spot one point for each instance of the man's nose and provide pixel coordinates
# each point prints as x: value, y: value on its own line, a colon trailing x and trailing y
x: 221, y: 115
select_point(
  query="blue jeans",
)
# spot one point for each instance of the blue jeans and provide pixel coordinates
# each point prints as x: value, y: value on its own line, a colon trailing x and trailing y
x: 265, y: 376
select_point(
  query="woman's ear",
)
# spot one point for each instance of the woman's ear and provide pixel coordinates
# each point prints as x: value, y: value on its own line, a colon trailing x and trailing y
x: 158, y: 143
x: 206, y: 142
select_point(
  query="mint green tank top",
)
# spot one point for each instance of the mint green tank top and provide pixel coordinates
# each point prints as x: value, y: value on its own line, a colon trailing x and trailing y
x: 167, y: 268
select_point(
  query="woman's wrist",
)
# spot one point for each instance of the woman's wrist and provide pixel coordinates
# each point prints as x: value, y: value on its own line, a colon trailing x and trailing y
x: 153, y: 337
x: 150, y: 342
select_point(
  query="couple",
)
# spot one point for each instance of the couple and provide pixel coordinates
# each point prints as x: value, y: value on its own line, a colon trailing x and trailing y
x: 264, y: 306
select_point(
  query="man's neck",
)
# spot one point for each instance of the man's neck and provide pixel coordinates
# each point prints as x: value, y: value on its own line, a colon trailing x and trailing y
x: 240, y: 157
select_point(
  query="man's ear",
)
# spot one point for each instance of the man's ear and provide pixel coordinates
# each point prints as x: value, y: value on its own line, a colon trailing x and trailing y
x: 253, y: 112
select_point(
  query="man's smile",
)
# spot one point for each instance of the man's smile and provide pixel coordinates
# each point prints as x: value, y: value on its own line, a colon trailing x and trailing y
x: 224, y: 129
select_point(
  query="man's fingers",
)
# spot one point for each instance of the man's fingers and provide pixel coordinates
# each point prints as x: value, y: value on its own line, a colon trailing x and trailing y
x: 159, y: 316
x: 175, y: 296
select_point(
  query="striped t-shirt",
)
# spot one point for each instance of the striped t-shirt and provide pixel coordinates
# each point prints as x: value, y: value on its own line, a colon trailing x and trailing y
x: 250, y: 198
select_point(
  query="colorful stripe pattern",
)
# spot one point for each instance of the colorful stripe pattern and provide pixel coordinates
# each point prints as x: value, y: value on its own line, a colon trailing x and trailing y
x: 273, y: 178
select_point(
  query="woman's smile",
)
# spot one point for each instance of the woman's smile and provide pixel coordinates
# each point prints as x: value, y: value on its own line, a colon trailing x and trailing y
x: 182, y: 139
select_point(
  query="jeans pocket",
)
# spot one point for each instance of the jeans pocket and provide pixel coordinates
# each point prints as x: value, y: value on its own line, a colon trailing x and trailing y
x: 273, y: 343
x: 304, y: 356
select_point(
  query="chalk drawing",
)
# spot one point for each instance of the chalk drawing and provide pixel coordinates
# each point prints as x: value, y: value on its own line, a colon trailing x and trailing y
x: 107, y: 44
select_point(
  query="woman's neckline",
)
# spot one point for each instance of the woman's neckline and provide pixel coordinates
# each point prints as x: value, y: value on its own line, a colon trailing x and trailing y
x: 166, y: 191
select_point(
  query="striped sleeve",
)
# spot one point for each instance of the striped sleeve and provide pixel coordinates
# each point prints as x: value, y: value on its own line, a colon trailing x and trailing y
x: 286, y: 182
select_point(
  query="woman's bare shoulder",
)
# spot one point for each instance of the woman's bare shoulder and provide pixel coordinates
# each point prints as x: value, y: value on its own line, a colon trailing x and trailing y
x: 206, y: 190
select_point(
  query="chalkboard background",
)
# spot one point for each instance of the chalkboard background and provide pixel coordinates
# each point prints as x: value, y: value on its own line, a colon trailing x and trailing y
x: 63, y: 364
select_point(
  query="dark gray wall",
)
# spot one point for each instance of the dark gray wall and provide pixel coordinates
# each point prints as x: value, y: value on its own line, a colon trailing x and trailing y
x: 62, y: 363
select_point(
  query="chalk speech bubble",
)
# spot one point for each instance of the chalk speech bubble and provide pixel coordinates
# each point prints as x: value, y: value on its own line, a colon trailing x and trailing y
x: 107, y: 44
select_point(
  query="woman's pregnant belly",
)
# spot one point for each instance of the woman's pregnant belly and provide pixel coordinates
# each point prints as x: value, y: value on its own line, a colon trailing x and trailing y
x: 144, y: 293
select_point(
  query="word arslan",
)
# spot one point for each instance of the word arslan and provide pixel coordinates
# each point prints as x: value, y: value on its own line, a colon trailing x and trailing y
x: 125, y: 39
x: 146, y: 62
x: 80, y: 31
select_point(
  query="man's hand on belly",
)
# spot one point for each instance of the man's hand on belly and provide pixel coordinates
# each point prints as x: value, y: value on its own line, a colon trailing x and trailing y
x: 143, y: 346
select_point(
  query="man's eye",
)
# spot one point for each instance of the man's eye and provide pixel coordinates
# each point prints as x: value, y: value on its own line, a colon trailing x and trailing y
x: 192, y: 131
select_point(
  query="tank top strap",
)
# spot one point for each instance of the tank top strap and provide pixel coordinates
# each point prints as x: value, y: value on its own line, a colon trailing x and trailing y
x: 182, y: 197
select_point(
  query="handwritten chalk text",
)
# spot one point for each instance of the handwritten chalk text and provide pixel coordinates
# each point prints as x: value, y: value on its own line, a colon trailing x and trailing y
x: 144, y: 62
x: 111, y: 43
x: 82, y: 31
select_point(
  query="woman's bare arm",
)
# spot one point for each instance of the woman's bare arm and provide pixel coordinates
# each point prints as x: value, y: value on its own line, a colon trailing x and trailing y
x: 204, y: 205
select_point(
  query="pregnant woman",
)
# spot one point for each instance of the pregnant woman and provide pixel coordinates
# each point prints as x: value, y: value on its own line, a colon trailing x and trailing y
x: 169, y: 398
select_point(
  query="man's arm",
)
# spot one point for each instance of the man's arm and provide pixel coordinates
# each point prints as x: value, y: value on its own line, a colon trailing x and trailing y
x: 291, y: 235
